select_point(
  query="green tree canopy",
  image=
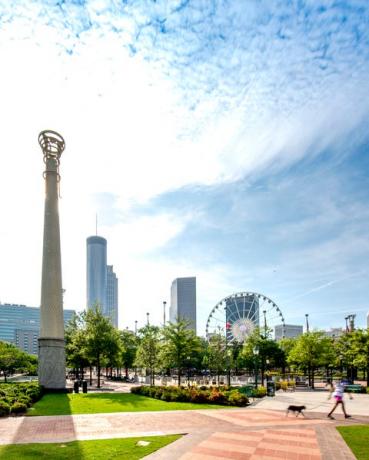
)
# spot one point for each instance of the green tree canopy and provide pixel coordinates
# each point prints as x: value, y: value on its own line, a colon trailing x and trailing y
x: 129, y: 348
x: 148, y: 350
x: 180, y: 346
x: 102, y: 342
x: 12, y: 359
x: 310, y: 351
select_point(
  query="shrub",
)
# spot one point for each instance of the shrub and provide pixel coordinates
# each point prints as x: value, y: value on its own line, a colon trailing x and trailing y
x: 18, y: 407
x: 4, y: 408
x: 194, y: 395
x: 237, y: 399
x: 260, y: 392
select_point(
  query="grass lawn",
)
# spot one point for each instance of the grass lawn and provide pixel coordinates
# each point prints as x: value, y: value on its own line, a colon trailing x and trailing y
x: 102, y: 449
x: 94, y: 403
x: 357, y: 438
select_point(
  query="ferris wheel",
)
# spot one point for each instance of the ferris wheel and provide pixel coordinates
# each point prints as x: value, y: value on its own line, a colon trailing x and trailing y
x: 237, y: 315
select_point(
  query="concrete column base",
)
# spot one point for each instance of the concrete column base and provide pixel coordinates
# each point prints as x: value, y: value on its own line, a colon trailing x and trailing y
x: 51, y: 363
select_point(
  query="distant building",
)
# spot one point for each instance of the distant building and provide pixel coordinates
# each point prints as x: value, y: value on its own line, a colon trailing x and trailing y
x: 183, y: 301
x: 20, y: 325
x: 288, y: 331
x: 335, y: 332
x: 102, y: 282
x: 112, y: 295
x: 96, y: 271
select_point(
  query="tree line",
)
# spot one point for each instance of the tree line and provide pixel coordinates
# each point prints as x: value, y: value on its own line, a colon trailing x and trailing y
x: 174, y: 349
x: 12, y: 360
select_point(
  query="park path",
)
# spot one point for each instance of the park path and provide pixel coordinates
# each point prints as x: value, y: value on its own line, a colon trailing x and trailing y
x: 248, y: 433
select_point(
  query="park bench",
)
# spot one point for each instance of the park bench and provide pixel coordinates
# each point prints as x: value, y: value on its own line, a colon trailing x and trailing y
x: 354, y: 388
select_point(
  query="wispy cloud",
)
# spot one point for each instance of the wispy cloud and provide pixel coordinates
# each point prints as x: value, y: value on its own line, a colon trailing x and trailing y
x: 155, y: 97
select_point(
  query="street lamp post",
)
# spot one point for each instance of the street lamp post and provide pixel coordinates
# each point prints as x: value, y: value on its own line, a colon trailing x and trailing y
x: 136, y: 327
x: 188, y: 358
x: 148, y: 318
x: 307, y: 322
x: 256, y: 353
x: 229, y: 355
x: 164, y: 318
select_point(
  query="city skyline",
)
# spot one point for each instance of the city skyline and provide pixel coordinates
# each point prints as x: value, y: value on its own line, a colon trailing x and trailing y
x: 222, y: 140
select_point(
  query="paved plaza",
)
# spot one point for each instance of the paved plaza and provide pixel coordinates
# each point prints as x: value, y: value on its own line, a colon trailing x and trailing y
x: 261, y: 431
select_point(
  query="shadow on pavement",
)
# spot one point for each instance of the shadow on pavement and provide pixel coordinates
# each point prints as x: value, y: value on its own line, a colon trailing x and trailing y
x: 32, y: 431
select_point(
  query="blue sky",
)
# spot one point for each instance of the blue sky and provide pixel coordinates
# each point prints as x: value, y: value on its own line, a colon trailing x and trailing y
x: 222, y: 139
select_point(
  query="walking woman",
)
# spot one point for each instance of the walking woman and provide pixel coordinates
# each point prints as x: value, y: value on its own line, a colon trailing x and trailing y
x: 338, y: 397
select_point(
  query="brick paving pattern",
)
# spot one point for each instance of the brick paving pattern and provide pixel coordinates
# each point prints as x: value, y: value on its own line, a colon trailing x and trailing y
x: 248, y: 433
x: 268, y: 444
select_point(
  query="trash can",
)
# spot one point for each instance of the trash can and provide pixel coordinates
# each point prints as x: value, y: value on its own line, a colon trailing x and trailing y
x: 76, y: 386
x: 84, y: 386
x: 270, y: 388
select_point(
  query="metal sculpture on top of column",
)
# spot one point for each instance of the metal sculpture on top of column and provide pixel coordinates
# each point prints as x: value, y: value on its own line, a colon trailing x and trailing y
x: 51, y: 346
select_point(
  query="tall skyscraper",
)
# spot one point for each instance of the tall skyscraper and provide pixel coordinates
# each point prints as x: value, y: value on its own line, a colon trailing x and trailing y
x: 112, y: 295
x: 96, y: 272
x: 102, y: 282
x: 183, y: 300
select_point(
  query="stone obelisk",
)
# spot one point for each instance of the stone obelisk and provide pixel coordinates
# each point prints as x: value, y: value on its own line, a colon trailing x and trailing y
x: 51, y: 346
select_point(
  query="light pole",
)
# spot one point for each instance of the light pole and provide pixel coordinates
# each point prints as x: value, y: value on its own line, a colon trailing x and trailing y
x: 265, y: 324
x: 188, y: 370
x: 164, y: 319
x: 136, y: 327
x: 229, y: 355
x: 307, y: 322
x: 148, y: 318
x: 256, y: 354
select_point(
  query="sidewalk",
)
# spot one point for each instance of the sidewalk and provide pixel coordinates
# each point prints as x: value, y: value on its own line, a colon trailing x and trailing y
x: 248, y: 433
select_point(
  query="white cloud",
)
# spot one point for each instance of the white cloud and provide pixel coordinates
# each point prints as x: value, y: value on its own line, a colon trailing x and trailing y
x: 151, y: 97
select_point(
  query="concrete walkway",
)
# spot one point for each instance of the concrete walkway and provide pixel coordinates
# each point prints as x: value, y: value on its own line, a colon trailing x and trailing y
x: 248, y: 433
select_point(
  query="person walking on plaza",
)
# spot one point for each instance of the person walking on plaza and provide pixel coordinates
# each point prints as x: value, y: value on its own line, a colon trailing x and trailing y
x: 338, y: 397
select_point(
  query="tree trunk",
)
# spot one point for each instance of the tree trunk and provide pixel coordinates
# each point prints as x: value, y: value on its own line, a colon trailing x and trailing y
x: 98, y: 371
x: 127, y: 372
x: 312, y: 377
x: 367, y: 375
x: 90, y: 375
x: 179, y: 377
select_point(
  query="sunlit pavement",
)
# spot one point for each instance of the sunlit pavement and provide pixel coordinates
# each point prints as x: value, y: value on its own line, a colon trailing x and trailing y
x: 248, y: 433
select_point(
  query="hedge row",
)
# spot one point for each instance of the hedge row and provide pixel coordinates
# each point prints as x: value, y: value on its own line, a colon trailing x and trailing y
x: 202, y: 395
x: 15, y: 398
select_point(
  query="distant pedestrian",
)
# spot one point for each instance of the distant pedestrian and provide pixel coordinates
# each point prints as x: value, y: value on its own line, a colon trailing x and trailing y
x: 338, y: 397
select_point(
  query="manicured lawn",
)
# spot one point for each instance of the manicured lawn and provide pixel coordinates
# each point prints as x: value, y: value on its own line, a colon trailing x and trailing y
x: 94, y: 403
x: 357, y: 438
x: 102, y: 449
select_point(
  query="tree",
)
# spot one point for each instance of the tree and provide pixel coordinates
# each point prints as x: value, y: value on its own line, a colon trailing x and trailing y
x: 11, y: 359
x: 217, y: 354
x: 180, y: 346
x: 269, y: 353
x: 310, y: 351
x: 286, y: 344
x: 102, y: 343
x: 75, y: 344
x: 358, y: 352
x: 129, y: 349
x: 148, y: 350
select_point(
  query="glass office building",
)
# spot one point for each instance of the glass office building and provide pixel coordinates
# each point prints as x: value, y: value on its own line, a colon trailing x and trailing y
x: 96, y: 272
x: 183, y: 301
x: 20, y: 325
x: 112, y: 295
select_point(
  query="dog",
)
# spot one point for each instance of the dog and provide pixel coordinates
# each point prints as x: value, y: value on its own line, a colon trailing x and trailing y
x: 296, y: 410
